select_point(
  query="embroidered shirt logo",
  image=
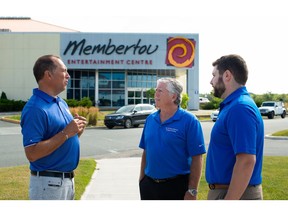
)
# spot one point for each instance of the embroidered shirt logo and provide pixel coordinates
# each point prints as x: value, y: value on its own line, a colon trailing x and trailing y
x: 174, y: 130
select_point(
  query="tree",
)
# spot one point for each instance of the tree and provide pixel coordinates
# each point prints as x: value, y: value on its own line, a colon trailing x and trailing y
x: 184, y: 101
x: 150, y: 93
x: 3, y: 96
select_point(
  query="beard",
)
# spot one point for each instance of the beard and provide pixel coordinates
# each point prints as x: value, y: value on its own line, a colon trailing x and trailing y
x: 219, y: 88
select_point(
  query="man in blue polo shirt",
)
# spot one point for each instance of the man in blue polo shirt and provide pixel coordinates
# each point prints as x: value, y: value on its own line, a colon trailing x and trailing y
x: 50, y: 133
x: 235, y: 152
x: 171, y: 138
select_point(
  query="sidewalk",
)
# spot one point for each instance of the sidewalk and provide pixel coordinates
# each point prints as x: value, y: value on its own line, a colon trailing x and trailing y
x: 114, y: 179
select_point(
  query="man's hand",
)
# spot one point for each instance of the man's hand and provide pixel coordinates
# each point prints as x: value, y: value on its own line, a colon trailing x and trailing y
x: 76, y: 126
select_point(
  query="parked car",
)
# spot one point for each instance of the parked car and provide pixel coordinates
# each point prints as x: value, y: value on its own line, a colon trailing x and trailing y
x: 129, y: 115
x: 203, y: 100
x: 273, y: 108
x: 214, y: 115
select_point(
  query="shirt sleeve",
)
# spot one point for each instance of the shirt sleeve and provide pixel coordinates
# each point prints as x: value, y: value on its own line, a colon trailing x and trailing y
x: 33, y: 123
x: 195, y: 138
x: 242, y: 129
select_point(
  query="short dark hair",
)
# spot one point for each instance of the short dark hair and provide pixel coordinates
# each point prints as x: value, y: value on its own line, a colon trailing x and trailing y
x: 42, y: 64
x: 235, y: 64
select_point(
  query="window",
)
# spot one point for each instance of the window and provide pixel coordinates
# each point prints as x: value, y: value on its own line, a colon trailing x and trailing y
x: 81, y: 84
x: 139, y: 81
x: 111, y: 88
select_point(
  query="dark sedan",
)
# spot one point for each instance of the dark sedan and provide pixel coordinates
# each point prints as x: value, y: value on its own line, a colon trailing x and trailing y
x: 128, y: 116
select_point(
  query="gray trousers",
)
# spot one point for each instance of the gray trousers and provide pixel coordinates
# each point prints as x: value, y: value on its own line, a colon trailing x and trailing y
x: 51, y: 188
x: 251, y: 193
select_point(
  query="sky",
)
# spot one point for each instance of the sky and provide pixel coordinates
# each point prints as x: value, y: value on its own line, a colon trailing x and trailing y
x: 255, y: 30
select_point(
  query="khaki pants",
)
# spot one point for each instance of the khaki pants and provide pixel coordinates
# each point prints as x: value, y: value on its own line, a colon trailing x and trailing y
x: 251, y: 193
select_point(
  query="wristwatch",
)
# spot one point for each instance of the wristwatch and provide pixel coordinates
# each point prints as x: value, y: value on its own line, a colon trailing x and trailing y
x: 193, y: 192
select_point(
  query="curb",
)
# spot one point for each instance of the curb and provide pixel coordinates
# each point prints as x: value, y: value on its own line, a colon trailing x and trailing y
x: 269, y: 136
x: 9, y: 120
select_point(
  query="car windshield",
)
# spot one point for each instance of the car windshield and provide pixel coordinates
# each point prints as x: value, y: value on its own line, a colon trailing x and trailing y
x: 268, y: 104
x: 125, y: 109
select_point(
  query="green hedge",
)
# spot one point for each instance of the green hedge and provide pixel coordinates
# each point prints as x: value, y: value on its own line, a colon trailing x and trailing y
x: 7, y: 105
x: 11, y: 105
x: 84, y: 102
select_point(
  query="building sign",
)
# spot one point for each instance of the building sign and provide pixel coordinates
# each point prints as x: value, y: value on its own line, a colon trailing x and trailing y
x: 127, y: 51
x: 180, y: 52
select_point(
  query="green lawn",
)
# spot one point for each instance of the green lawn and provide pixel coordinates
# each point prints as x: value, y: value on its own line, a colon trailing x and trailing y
x: 15, y: 187
x: 281, y: 133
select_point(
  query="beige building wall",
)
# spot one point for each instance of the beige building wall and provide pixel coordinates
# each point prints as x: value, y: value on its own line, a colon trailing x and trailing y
x: 181, y: 76
x: 18, y: 53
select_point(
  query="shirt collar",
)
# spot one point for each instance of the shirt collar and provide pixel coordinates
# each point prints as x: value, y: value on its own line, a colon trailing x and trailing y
x: 233, y: 95
x: 44, y: 96
x: 177, y: 115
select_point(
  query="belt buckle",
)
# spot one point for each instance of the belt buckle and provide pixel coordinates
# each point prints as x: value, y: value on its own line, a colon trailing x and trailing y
x: 212, y: 186
x: 157, y: 180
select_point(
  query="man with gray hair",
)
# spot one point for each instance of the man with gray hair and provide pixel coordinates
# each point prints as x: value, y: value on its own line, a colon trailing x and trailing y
x: 173, y: 144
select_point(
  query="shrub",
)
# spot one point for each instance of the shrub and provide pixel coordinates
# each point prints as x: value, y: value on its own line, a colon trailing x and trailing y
x: 72, y: 102
x: 85, y: 102
x: 11, y: 105
x: 184, y: 101
x: 90, y: 114
x: 81, y: 111
x: 213, y: 104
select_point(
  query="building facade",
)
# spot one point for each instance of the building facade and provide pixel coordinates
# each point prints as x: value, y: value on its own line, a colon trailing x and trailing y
x: 112, y: 69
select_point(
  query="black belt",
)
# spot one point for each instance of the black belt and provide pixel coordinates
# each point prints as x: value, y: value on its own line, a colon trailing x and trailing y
x: 165, y: 179
x: 53, y: 174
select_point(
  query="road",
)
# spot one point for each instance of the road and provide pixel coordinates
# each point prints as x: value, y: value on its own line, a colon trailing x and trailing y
x: 105, y: 143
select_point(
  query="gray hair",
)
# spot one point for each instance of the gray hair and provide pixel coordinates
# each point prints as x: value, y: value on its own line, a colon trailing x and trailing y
x: 173, y: 86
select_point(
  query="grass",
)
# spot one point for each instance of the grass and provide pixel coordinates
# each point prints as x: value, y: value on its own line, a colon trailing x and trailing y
x: 14, y: 117
x: 15, y: 180
x: 274, y: 174
x: 281, y: 133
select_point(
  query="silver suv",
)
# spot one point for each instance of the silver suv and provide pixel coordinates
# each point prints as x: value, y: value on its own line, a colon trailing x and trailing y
x: 273, y: 108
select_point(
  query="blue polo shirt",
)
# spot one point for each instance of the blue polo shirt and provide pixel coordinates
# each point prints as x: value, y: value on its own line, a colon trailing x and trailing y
x: 238, y: 129
x: 42, y: 117
x: 170, y: 145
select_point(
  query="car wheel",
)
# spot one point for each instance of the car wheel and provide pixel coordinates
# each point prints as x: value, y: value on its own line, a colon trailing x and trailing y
x: 109, y: 126
x: 283, y: 115
x: 127, y: 123
x: 271, y: 115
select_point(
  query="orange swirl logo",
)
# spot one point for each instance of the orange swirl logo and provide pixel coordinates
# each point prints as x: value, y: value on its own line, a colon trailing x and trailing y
x: 180, y: 52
